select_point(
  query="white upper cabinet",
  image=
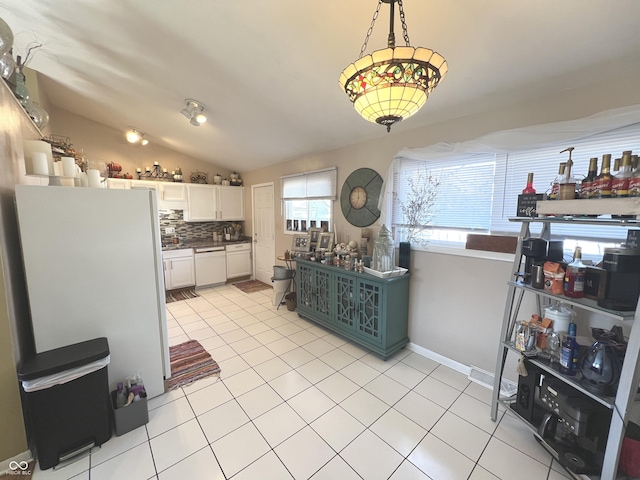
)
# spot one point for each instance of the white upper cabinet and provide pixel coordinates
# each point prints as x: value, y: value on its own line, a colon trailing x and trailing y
x: 118, y: 183
x: 148, y: 184
x: 172, y: 196
x: 201, y: 203
x: 230, y: 203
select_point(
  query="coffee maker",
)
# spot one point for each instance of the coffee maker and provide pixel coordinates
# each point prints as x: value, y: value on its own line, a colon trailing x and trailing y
x: 537, y: 251
x: 623, y: 278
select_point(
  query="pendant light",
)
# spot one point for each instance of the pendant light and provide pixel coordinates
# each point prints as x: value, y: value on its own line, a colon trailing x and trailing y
x: 392, y: 84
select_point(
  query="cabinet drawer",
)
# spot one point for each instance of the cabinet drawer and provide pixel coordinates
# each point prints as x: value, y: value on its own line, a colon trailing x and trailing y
x: 239, y: 247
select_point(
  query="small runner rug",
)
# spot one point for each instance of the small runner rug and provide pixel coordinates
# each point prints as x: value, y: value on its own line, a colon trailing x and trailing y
x: 252, y: 286
x: 182, y: 294
x: 190, y: 362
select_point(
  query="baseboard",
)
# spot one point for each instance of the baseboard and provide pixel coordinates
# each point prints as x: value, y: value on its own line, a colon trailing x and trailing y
x: 5, y: 465
x: 446, y: 361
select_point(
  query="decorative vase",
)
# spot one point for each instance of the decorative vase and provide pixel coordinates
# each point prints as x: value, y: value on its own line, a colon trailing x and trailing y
x: 7, y: 65
x: 404, y: 257
x: 384, y: 251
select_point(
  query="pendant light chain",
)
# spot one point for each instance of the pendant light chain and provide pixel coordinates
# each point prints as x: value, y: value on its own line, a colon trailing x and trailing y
x: 405, y: 32
x: 373, y: 21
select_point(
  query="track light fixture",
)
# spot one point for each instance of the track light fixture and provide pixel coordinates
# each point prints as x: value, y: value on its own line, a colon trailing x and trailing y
x: 134, y: 136
x: 194, y: 111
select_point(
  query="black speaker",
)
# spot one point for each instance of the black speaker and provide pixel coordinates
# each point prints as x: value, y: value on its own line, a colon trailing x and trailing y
x: 405, y: 255
x: 525, y: 397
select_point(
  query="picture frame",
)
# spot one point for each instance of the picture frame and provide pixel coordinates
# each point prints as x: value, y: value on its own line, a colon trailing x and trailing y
x: 289, y: 224
x: 325, y: 241
x: 314, y: 234
x: 300, y: 243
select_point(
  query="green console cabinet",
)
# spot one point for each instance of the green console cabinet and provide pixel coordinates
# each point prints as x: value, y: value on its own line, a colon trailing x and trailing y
x: 369, y: 310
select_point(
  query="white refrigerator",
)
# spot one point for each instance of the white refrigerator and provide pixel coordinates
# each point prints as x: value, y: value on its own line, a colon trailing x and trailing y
x: 93, y: 265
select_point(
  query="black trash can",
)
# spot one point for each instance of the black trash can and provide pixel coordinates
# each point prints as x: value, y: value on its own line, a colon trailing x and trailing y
x: 66, y: 393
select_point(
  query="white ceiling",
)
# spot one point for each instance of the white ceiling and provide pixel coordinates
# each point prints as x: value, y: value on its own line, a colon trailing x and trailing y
x: 268, y: 70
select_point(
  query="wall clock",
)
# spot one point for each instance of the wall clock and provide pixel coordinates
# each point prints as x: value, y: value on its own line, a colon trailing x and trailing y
x: 359, y: 197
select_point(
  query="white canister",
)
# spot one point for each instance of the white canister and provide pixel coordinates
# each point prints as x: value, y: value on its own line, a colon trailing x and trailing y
x: 84, y: 180
x: 94, y: 178
x: 68, y: 167
x: 561, y: 315
x: 39, y: 163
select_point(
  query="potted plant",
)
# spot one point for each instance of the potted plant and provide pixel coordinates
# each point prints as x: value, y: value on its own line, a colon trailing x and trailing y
x: 416, y: 210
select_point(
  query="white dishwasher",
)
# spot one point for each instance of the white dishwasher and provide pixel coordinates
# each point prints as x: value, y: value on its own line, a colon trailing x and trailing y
x: 211, y: 266
x: 238, y: 260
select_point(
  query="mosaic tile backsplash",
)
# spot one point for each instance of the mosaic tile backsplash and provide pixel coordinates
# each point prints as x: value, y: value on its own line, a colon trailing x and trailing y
x: 189, y: 231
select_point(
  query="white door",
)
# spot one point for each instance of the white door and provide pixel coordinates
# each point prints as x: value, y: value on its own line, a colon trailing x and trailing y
x: 263, y: 231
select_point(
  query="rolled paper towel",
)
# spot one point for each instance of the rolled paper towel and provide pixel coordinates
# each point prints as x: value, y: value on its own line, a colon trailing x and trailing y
x: 39, y: 163
x: 68, y: 166
x: 57, y: 169
x: 84, y: 181
x: 94, y: 178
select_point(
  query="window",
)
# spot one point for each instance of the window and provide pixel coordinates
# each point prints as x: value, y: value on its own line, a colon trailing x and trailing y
x: 308, y: 199
x: 478, y: 192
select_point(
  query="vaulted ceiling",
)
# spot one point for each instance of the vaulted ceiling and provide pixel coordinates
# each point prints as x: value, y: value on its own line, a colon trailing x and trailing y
x: 268, y: 70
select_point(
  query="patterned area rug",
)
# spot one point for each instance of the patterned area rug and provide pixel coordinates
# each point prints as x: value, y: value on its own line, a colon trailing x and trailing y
x: 252, y: 286
x: 190, y: 362
x: 182, y: 294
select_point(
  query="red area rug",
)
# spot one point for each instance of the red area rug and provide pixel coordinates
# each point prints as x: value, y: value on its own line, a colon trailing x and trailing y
x: 190, y: 362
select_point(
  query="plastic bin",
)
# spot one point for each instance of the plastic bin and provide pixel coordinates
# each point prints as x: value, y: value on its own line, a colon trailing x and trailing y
x: 130, y: 417
x: 280, y: 287
x: 66, y: 393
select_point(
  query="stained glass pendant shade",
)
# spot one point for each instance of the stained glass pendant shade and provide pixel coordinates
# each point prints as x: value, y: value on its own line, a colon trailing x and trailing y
x: 392, y: 84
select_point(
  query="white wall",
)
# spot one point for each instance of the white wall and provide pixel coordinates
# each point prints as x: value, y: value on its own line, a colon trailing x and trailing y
x: 456, y: 303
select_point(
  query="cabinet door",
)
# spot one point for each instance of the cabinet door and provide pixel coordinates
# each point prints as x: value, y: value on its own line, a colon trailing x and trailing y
x: 182, y: 272
x: 118, y: 184
x: 148, y: 184
x: 201, y: 204
x: 304, y: 286
x: 322, y: 294
x: 345, y: 298
x: 167, y: 274
x: 230, y: 203
x: 369, y: 321
x: 238, y: 264
x: 172, y: 196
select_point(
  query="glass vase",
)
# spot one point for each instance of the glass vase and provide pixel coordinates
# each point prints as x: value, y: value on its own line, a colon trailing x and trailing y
x: 384, y: 251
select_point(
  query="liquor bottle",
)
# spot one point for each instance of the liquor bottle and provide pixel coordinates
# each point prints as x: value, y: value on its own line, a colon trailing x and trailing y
x: 603, y: 181
x: 529, y: 188
x: 555, y: 185
x: 574, y: 277
x: 586, y: 190
x: 634, y: 181
x: 569, y: 352
x: 620, y: 182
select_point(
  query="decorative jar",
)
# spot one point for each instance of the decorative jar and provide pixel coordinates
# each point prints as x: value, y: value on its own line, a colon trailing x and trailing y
x: 384, y: 251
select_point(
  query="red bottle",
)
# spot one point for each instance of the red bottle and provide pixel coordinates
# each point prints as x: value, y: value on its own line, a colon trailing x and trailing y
x: 529, y: 188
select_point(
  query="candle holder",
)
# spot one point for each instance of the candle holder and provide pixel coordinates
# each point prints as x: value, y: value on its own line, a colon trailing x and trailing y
x: 155, y: 173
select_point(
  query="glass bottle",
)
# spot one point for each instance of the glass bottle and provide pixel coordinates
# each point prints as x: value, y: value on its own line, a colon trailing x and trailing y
x: 567, y: 186
x: 586, y: 190
x: 620, y: 182
x: 555, y: 185
x: 634, y: 181
x: 574, y: 277
x: 569, y: 352
x: 603, y: 181
x: 384, y: 251
x: 529, y: 188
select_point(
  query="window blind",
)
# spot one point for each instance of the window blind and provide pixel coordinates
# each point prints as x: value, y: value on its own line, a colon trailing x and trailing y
x: 319, y: 184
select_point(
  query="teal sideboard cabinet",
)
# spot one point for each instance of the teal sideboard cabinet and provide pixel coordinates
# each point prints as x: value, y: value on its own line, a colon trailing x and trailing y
x: 371, y: 311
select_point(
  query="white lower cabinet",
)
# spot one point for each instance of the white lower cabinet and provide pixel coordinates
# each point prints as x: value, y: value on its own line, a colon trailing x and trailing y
x: 179, y: 269
x: 238, y: 260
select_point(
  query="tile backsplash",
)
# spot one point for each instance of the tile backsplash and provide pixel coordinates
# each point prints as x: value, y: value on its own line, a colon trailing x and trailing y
x: 189, y: 231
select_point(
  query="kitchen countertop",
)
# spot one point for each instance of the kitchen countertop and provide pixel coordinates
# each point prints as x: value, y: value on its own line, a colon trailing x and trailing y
x: 203, y: 244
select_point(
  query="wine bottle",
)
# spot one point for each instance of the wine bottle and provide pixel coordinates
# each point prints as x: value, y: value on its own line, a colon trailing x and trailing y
x: 603, y: 181
x: 529, y: 188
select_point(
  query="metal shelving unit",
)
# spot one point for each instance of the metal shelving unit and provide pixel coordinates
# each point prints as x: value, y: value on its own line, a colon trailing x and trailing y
x: 573, y: 212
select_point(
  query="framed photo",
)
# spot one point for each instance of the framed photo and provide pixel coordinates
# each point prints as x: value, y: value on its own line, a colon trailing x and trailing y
x: 325, y: 241
x: 314, y: 233
x: 324, y: 225
x: 289, y: 224
x: 303, y: 225
x: 300, y: 244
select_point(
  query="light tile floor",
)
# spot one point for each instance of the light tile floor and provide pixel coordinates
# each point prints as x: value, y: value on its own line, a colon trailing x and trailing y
x: 297, y: 401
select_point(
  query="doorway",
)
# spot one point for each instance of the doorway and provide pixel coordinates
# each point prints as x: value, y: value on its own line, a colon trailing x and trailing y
x: 264, y: 243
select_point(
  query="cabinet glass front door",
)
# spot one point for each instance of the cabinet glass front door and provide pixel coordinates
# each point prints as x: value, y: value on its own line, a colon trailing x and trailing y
x: 345, y: 301
x: 369, y: 310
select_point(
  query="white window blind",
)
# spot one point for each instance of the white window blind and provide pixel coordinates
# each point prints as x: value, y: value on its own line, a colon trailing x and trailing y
x: 319, y: 184
x: 464, y: 198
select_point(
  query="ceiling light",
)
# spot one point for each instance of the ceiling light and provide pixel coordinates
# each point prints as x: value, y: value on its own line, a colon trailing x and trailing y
x: 144, y: 142
x: 194, y: 111
x: 134, y: 136
x: 394, y: 83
